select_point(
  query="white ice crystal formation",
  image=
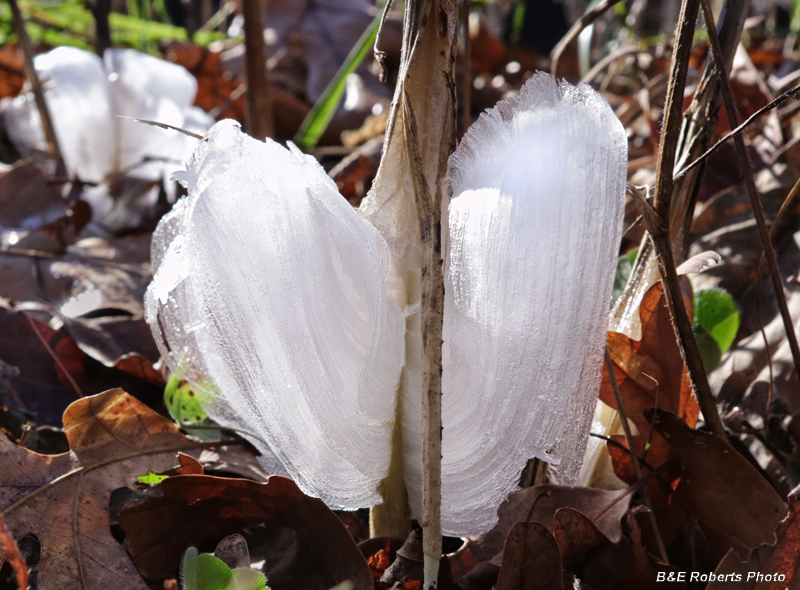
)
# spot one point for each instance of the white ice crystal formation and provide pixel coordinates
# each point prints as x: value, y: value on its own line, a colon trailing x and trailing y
x: 269, y: 282
x: 535, y: 224
x: 84, y: 94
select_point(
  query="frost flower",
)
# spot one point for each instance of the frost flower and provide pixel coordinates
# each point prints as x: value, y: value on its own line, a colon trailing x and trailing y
x: 84, y: 94
x: 269, y: 284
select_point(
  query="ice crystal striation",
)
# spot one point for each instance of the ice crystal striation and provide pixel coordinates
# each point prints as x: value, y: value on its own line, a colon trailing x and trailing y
x: 271, y: 286
x: 535, y: 222
x: 268, y: 282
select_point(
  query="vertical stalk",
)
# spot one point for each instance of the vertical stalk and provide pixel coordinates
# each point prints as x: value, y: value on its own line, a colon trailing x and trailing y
x: 657, y: 216
x: 53, y: 150
x: 259, y: 105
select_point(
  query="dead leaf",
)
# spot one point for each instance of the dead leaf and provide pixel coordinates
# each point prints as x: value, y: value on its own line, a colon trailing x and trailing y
x: 781, y: 558
x: 605, y: 508
x: 531, y: 560
x: 44, y: 365
x: 64, y: 500
x: 194, y: 508
x: 720, y: 487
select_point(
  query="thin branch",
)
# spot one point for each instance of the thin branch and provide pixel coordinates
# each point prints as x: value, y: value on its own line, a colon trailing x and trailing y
x: 752, y: 190
x: 735, y: 132
x: 656, y: 215
x: 53, y: 150
x: 637, y: 468
x: 587, y: 19
x: 259, y: 105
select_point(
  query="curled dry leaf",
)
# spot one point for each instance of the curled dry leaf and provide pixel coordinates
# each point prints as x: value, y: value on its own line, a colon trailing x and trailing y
x: 194, y: 508
x: 719, y: 486
x: 531, y: 560
x: 604, y: 508
x: 781, y: 558
x: 64, y: 499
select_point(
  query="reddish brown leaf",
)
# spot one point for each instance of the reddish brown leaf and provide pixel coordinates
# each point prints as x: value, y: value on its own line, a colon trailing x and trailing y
x: 781, y: 558
x: 64, y: 499
x: 531, y: 560
x: 575, y: 534
x: 721, y: 488
x: 194, y: 508
x: 604, y: 508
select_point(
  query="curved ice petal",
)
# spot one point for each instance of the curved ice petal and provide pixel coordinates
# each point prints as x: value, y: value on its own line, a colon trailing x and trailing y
x: 535, y: 224
x: 145, y: 87
x: 77, y: 94
x: 269, y: 283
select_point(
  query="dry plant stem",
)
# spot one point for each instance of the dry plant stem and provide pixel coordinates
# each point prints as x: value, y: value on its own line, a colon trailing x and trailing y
x: 102, y: 31
x: 466, y: 61
x: 779, y: 100
x: 259, y: 105
x: 637, y: 468
x: 588, y: 18
x: 53, y: 150
x: 8, y: 548
x: 657, y: 216
x: 759, y: 272
x: 752, y: 190
x: 432, y: 310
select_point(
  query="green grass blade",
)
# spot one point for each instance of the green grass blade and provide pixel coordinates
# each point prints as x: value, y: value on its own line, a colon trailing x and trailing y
x: 316, y: 122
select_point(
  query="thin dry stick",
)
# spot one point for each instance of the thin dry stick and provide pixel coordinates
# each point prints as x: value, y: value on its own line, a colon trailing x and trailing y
x: 259, y: 105
x: 656, y: 216
x: 588, y: 18
x: 637, y: 468
x: 752, y: 190
x: 432, y: 310
x: 14, y: 556
x: 773, y: 230
x: 102, y: 31
x: 53, y: 150
x: 466, y: 88
x: 779, y: 100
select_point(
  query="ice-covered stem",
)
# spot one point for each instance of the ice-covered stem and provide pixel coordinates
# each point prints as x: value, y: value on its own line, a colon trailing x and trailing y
x: 656, y: 216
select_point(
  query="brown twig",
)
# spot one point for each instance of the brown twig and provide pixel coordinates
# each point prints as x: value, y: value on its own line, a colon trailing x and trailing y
x: 259, y: 105
x: 100, y: 10
x: 14, y: 556
x: 779, y: 100
x: 752, y: 190
x: 656, y: 215
x: 773, y: 230
x: 584, y: 21
x: 53, y: 150
x: 637, y: 468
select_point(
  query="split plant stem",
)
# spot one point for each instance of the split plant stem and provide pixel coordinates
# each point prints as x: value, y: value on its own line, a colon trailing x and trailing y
x: 432, y: 310
x: 259, y: 105
x: 752, y: 190
x: 53, y: 150
x: 656, y: 216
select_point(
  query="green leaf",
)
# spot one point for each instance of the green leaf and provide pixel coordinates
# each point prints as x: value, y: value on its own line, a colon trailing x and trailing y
x: 316, y: 122
x: 151, y: 478
x: 183, y: 402
x: 206, y: 572
x: 624, y: 268
x: 716, y: 313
